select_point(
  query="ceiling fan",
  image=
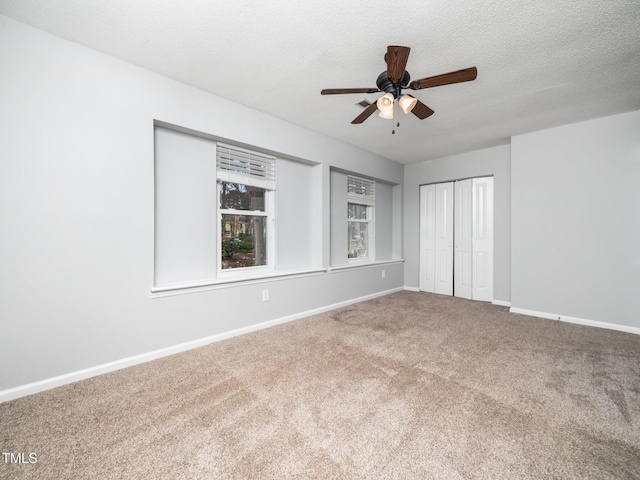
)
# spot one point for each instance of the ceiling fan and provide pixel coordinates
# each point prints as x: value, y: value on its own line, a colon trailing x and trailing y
x: 395, y: 79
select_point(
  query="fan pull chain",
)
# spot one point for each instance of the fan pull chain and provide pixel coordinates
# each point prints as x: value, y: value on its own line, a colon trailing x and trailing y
x: 393, y: 131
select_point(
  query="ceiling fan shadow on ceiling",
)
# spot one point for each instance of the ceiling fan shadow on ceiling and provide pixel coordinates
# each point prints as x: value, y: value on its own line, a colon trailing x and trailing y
x: 395, y: 79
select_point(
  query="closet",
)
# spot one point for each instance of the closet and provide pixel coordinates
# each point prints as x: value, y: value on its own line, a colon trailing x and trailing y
x: 456, y: 238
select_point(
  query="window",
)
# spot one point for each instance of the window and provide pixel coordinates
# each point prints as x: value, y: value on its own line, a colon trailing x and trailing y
x: 360, y: 204
x: 246, y: 185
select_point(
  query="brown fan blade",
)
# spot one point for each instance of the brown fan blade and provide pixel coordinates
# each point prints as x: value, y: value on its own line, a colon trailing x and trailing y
x: 336, y: 91
x: 366, y: 113
x: 396, y: 62
x: 421, y: 111
x: 464, y: 75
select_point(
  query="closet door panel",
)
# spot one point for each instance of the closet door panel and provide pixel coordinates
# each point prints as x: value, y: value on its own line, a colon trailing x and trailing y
x: 444, y: 238
x: 428, y: 238
x: 482, y: 192
x: 463, y: 240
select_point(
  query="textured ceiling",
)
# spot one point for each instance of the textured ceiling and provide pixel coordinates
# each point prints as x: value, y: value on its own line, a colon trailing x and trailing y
x: 541, y: 63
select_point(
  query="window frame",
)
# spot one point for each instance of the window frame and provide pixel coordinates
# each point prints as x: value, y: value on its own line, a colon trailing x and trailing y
x: 269, y: 187
x: 366, y: 199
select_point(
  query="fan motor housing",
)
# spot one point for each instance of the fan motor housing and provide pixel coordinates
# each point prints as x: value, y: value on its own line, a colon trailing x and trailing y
x: 386, y: 85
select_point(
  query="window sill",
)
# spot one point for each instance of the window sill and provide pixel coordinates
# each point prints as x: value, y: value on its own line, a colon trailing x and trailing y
x: 340, y: 268
x: 218, y: 283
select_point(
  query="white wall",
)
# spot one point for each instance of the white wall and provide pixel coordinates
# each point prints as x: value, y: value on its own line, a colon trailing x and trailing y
x: 185, y: 207
x: 491, y: 161
x: 77, y: 211
x: 338, y: 226
x: 576, y: 221
x: 383, y: 214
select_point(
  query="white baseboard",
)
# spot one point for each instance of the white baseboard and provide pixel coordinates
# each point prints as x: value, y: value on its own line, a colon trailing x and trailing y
x: 411, y: 289
x: 60, y: 380
x: 502, y: 303
x: 580, y: 321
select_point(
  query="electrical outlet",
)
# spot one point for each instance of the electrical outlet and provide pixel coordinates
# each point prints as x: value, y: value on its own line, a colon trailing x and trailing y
x: 384, y: 274
x: 265, y: 295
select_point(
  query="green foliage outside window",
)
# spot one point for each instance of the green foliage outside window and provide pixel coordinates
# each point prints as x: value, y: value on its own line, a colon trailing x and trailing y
x: 241, y: 244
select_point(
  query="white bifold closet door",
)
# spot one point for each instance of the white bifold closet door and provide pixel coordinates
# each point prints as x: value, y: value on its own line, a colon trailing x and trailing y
x: 463, y: 240
x: 456, y: 238
x: 428, y: 238
x: 482, y: 264
x: 436, y: 226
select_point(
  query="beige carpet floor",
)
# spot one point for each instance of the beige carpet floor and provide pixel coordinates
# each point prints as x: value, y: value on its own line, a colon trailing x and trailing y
x: 407, y: 386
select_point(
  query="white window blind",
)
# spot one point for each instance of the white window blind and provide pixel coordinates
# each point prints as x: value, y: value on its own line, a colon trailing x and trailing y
x: 361, y: 191
x: 237, y: 165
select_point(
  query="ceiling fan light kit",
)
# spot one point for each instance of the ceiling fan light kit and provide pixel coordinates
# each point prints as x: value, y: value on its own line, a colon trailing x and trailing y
x: 407, y: 102
x: 396, y: 78
x: 385, y: 105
